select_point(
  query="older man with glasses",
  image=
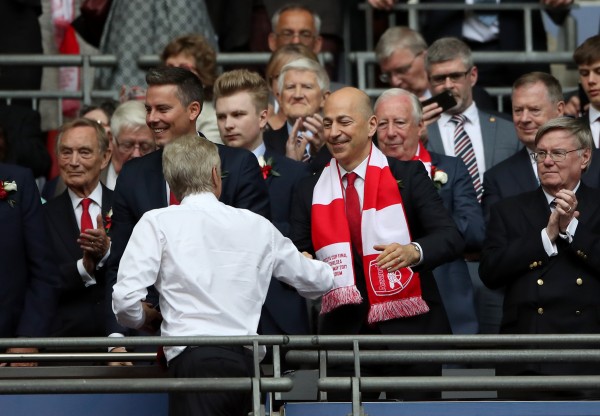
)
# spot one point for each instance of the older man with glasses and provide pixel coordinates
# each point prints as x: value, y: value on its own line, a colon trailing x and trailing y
x: 540, y: 248
x: 295, y: 23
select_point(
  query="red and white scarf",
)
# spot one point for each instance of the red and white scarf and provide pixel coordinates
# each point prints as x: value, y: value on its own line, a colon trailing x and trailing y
x: 424, y: 156
x: 391, y: 294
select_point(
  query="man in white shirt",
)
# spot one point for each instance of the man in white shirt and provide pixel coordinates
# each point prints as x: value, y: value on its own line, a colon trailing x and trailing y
x: 212, y: 265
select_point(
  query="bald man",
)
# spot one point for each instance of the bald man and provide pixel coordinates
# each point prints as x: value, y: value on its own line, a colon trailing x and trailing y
x: 348, y: 216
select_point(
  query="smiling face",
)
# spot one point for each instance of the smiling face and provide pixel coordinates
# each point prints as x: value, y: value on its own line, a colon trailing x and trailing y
x: 532, y: 107
x: 80, y: 160
x: 240, y: 122
x: 166, y: 116
x: 564, y: 174
x: 455, y: 77
x: 348, y: 126
x: 397, y: 132
x: 301, y: 95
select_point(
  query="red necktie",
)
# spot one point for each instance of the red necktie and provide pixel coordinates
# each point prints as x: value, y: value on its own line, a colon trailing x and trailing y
x: 172, y: 199
x: 353, y: 211
x: 86, y: 219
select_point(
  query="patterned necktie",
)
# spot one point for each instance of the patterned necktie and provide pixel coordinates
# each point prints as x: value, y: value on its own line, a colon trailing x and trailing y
x: 353, y: 211
x: 463, y: 148
x: 86, y: 218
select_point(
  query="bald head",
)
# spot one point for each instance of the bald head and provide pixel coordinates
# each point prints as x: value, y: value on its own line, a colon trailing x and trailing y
x: 349, y: 125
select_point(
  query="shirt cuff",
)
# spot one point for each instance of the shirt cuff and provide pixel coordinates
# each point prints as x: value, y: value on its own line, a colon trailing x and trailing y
x: 88, y: 280
x: 549, y: 246
x: 103, y: 260
x: 570, y: 231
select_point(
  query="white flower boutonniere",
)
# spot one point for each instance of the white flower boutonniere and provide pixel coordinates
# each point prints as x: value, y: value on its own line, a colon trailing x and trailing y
x: 439, y: 177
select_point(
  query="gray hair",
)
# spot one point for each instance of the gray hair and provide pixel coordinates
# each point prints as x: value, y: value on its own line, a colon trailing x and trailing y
x: 552, y: 85
x: 399, y: 37
x: 305, y: 64
x: 296, y: 6
x: 130, y: 115
x: 575, y: 127
x: 188, y: 162
x: 417, y: 109
x: 101, y: 134
x: 448, y: 49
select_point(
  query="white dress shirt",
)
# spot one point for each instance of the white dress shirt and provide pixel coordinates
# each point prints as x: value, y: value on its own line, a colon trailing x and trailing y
x: 94, y: 209
x: 473, y: 129
x: 212, y: 265
x: 111, y: 177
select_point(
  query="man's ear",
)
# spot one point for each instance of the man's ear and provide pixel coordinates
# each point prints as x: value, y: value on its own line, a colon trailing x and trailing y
x: 195, y: 108
x: 217, y: 182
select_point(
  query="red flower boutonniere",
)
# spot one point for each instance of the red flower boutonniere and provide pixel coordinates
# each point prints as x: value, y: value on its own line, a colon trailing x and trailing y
x: 439, y: 177
x: 108, y: 221
x: 5, y: 189
x: 266, y: 166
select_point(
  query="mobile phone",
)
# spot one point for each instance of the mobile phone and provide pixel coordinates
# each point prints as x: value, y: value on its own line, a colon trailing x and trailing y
x: 444, y: 99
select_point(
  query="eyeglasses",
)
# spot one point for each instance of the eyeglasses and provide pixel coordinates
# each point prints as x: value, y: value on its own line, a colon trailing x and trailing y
x: 555, y: 155
x: 288, y: 35
x: 386, y: 77
x: 454, y: 77
x: 128, y: 147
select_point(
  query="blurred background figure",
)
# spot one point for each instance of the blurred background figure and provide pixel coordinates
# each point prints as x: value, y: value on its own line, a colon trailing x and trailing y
x: 194, y: 53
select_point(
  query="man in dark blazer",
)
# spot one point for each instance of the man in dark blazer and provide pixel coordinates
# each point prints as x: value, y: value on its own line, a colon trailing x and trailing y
x: 400, y: 125
x: 30, y: 281
x: 241, y: 99
x: 173, y: 103
x: 540, y: 248
x: 83, y: 152
x: 587, y: 58
x: 349, y: 127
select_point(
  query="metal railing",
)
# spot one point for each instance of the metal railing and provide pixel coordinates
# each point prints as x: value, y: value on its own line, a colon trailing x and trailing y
x: 321, y: 352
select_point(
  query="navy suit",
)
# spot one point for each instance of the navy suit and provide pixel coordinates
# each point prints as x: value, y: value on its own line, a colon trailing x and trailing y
x: 275, y: 141
x: 284, y: 311
x: 81, y: 309
x: 515, y: 175
x: 545, y: 295
x: 141, y: 187
x: 29, y: 278
x: 452, y: 278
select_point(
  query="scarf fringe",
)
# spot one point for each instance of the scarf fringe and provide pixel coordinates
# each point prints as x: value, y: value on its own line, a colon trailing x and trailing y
x: 346, y: 295
x: 401, y: 308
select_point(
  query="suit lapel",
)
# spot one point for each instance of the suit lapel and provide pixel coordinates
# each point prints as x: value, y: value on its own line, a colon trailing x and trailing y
x: 488, y: 138
x: 522, y: 172
x: 434, y: 142
x: 66, y: 224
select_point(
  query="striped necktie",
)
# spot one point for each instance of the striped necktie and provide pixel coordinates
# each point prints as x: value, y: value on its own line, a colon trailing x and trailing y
x: 463, y: 148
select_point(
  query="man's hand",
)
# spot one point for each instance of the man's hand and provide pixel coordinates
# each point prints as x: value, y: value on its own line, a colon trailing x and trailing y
x: 563, y: 214
x: 431, y: 113
x: 119, y: 363
x: 314, y: 124
x: 295, y: 146
x: 152, y: 318
x: 20, y: 351
x: 95, y: 244
x: 396, y: 256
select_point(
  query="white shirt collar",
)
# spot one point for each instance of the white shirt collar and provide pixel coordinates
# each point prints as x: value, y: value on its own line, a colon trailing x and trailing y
x: 95, y: 196
x: 260, y: 150
x: 550, y: 198
x: 470, y: 113
x: 360, y: 170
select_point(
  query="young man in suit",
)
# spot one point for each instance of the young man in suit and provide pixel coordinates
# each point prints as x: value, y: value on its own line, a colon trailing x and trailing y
x: 587, y: 58
x: 400, y: 126
x: 541, y: 248
x: 351, y: 215
x: 29, y: 278
x: 76, y: 221
x: 173, y: 103
x: 241, y: 99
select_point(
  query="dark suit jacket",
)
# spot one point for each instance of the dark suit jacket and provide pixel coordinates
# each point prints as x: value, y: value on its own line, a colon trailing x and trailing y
x: 22, y: 130
x: 284, y: 311
x: 141, y: 187
x: 81, y: 309
x: 499, y: 139
x: 515, y: 175
x: 430, y: 225
x: 544, y: 295
x: 275, y: 141
x: 452, y: 278
x: 29, y: 279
